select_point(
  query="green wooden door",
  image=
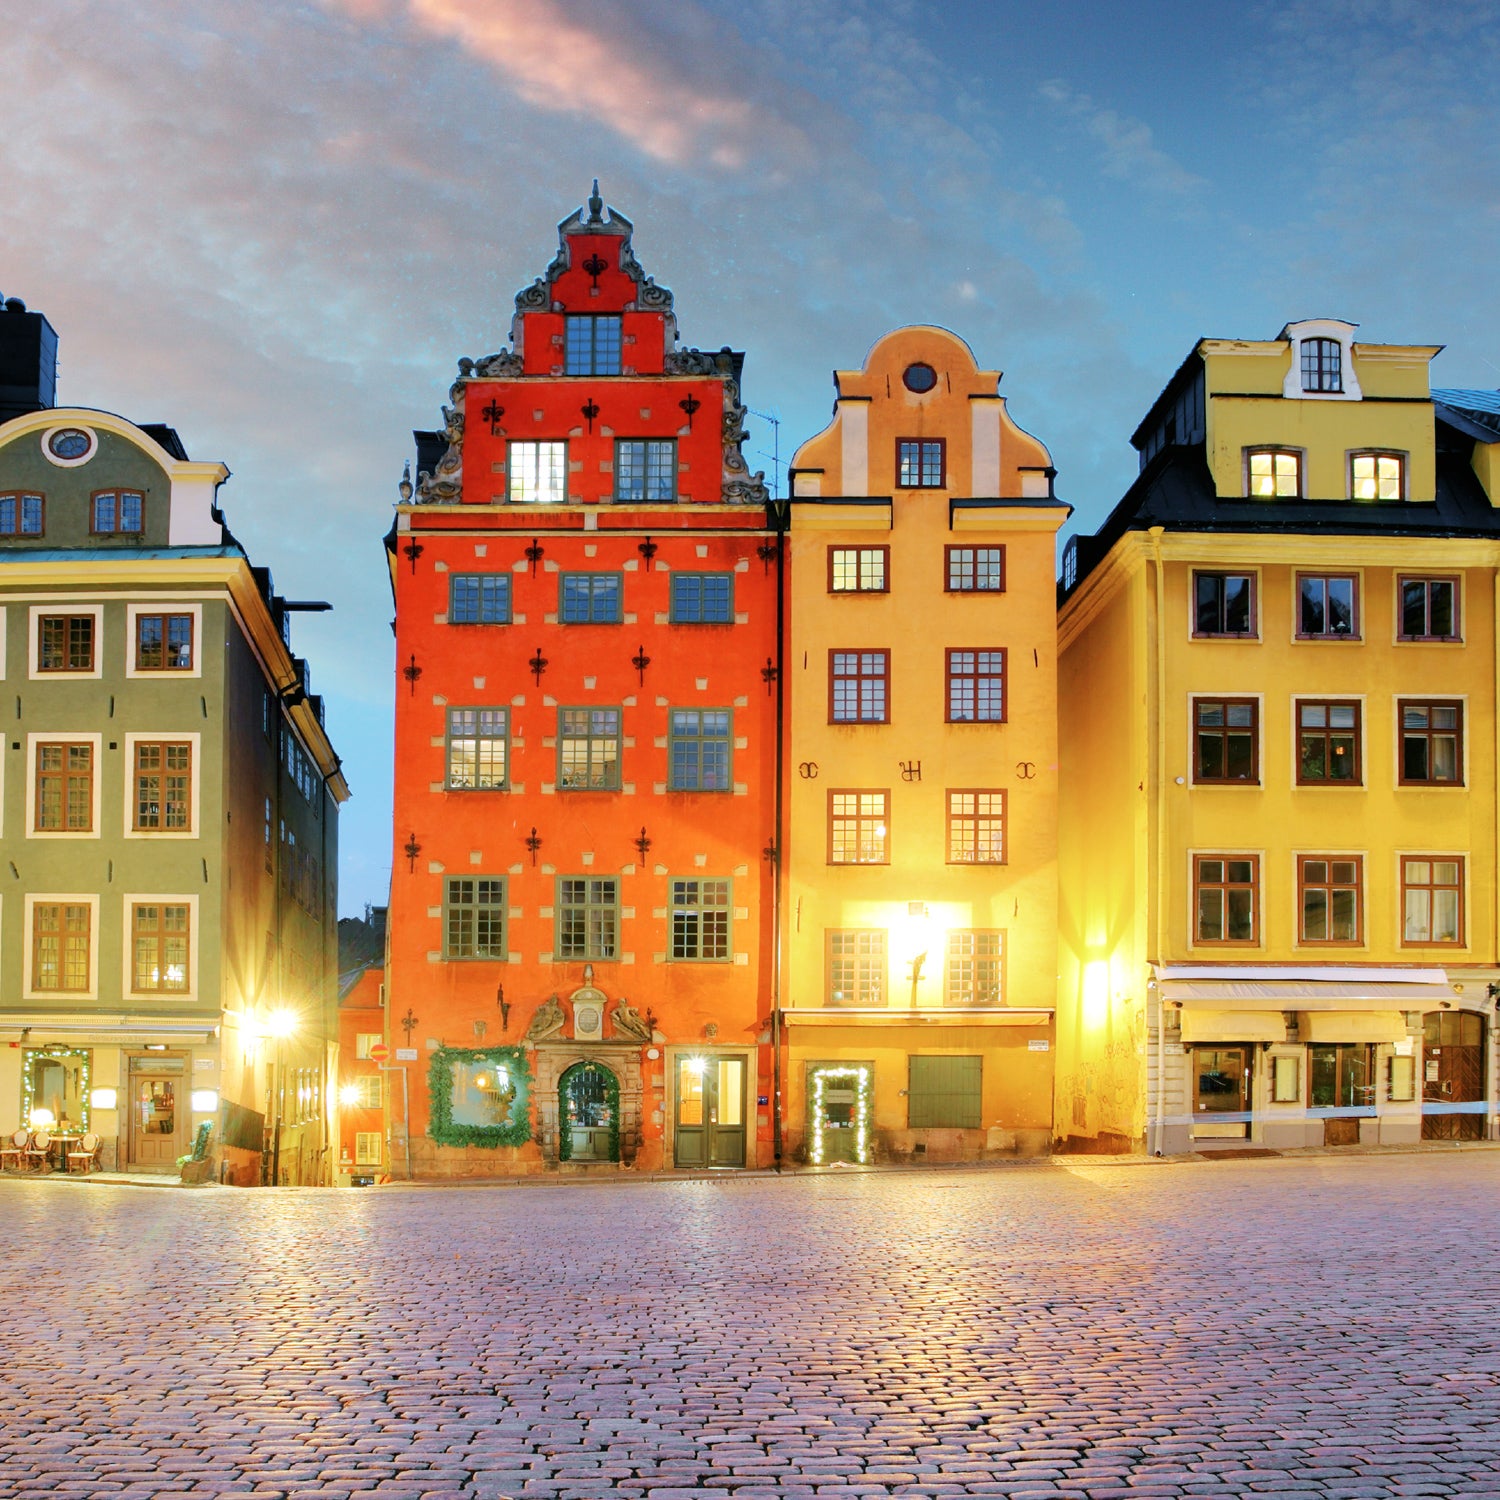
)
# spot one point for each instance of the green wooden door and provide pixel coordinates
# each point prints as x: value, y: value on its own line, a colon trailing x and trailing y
x: 944, y: 1091
x: 710, y: 1112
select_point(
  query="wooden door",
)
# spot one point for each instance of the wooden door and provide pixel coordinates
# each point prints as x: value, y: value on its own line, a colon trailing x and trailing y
x: 1452, y: 1074
x: 1221, y: 1092
x: 156, y: 1121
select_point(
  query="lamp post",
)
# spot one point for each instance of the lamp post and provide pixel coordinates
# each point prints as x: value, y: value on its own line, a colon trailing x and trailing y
x: 280, y: 1024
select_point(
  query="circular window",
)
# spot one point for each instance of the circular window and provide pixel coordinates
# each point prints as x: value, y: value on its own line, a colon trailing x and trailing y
x: 69, y: 446
x: 919, y: 378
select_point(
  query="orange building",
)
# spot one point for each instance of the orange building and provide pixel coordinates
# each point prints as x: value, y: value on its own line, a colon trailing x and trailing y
x: 585, y: 590
x: 361, y: 1083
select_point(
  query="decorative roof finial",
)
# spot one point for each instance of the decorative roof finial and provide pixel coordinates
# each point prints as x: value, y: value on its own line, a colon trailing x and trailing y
x: 405, y: 486
x: 596, y: 205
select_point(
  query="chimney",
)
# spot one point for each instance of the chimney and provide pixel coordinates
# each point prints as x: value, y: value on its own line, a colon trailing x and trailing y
x: 28, y: 361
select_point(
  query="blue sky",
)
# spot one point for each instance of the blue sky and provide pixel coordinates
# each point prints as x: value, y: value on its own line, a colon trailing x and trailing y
x: 278, y: 226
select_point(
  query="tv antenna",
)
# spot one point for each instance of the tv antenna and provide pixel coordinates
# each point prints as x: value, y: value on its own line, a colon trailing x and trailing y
x: 774, y: 418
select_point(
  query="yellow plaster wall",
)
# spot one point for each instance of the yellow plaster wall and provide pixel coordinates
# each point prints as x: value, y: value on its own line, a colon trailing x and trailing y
x: 1486, y: 464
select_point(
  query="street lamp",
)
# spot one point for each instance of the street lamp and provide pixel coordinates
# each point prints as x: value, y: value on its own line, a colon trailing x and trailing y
x: 279, y: 1024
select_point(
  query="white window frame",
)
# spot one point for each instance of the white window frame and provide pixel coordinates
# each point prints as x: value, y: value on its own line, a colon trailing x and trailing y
x: 163, y: 607
x: 63, y: 737
x: 127, y: 946
x: 69, y: 898
x: 34, y: 647
x: 195, y: 740
x: 364, y: 1040
x: 361, y: 1145
x: 1322, y: 328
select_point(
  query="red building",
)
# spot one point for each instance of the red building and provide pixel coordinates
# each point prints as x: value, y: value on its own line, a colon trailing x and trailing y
x: 361, y: 1082
x: 581, y: 898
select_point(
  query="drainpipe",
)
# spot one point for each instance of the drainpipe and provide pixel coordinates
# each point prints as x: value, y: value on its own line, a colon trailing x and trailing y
x: 1154, y: 730
x: 781, y: 516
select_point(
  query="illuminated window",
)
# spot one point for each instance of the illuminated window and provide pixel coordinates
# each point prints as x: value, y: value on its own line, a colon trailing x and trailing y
x: 64, y: 787
x: 474, y: 917
x: 855, y: 972
x: 537, y: 473
x: 588, y: 749
x: 159, y: 947
x: 976, y: 968
x: 163, y: 777
x: 1432, y: 899
x: 478, y: 741
x: 976, y: 828
x: 858, y: 570
x: 1328, y: 743
x: 858, y: 828
x: 164, y: 643
x: 1377, y: 476
x: 700, y: 920
x: 1273, y: 473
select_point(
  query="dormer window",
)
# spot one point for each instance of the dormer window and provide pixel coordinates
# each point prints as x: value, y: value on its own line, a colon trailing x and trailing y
x: 1322, y: 365
x: 593, y: 346
x: 1377, y: 476
x: 1273, y: 473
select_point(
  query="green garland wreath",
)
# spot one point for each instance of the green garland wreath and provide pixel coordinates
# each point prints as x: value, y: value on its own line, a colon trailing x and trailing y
x: 440, y: 1126
x: 611, y: 1100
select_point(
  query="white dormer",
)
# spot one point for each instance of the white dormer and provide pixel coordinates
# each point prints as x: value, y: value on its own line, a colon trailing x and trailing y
x: 1322, y: 366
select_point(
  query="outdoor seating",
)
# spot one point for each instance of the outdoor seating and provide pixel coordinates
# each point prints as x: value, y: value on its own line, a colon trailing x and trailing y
x: 37, y: 1153
x: 13, y: 1152
x: 86, y: 1154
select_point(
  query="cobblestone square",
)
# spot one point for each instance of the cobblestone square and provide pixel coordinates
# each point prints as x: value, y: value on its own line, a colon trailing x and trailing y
x: 1321, y: 1326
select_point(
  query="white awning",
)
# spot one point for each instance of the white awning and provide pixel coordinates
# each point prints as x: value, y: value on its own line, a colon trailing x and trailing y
x: 1335, y: 987
x: 1203, y: 1025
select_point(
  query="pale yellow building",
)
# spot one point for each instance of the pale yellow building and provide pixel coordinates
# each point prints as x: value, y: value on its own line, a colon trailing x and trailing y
x: 920, y: 872
x: 1277, y: 718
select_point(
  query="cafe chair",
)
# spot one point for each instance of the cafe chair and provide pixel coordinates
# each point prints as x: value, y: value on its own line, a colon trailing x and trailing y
x: 39, y: 1151
x: 13, y: 1151
x: 87, y: 1152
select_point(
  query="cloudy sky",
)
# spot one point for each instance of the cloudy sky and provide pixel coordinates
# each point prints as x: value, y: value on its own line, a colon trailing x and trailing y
x: 277, y: 226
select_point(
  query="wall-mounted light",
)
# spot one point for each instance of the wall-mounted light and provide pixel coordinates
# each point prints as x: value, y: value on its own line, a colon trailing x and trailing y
x: 102, y: 1099
x: 205, y: 1101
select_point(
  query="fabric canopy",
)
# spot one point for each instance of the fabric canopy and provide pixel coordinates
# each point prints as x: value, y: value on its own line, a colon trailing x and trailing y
x: 1199, y: 1024
x: 1306, y: 994
x: 1351, y: 1026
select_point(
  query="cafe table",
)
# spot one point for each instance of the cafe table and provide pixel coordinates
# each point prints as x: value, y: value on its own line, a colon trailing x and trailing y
x: 63, y: 1142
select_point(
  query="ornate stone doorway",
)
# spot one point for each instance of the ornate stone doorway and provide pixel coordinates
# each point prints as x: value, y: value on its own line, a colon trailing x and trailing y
x: 555, y: 1062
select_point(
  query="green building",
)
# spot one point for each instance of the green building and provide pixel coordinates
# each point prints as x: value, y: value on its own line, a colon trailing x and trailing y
x: 168, y: 805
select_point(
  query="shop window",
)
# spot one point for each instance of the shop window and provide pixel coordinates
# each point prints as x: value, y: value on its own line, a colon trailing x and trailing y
x: 944, y: 1092
x: 1341, y: 1075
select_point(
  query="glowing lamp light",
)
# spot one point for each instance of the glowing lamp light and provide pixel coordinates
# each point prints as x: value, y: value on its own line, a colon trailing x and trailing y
x: 281, y: 1024
x: 42, y: 1119
x: 102, y: 1099
x: 349, y: 1094
x: 205, y: 1101
x: 697, y: 1066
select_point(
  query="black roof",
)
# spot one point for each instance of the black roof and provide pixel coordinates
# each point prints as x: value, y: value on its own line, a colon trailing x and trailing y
x: 166, y: 436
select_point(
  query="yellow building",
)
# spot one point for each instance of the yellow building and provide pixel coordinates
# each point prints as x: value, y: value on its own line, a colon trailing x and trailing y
x: 1277, y: 722
x: 920, y: 864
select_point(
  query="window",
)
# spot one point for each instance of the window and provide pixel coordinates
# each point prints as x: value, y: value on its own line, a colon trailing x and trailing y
x: 1224, y: 604
x: 120, y: 512
x: 919, y: 463
x: 1431, y: 743
x: 474, y: 920
x: 700, y: 919
x: 164, y: 643
x: 858, y: 828
x: 702, y: 599
x: 976, y: 687
x: 593, y: 346
x: 1328, y: 890
x: 858, y: 570
x: 1327, y: 606
x: 1225, y: 740
x: 976, y: 828
x: 1341, y: 1075
x: 367, y: 1148
x: 588, y: 917
x: 1322, y: 365
x: 699, y: 759
x: 163, y: 782
x: 1377, y: 476
x: 1273, y: 473
x: 537, y: 473
x: 64, y: 787
x: 975, y: 570
x: 479, y: 599
x: 943, y: 1092
x: 363, y: 1041
x: 60, y: 942
x: 1226, y: 898
x: 367, y: 1091
x: 976, y: 968
x: 22, y: 514
x: 1432, y: 899
x: 588, y: 749
x: 1328, y: 743
x: 856, y: 966
x: 65, y: 643
x: 858, y: 687
x: 159, y: 947
x: 1429, y: 609
x: 478, y: 742
x: 590, y: 599
x: 646, y: 469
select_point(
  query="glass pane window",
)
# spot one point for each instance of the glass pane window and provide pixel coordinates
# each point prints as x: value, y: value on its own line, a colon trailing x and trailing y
x: 164, y: 643
x: 65, y: 643
x: 592, y: 346
x: 976, y: 687
x: 1341, y: 1075
x: 1329, y: 888
x: 159, y: 936
x: 119, y: 511
x: 1225, y: 742
x: 163, y: 786
x: 1274, y: 473
x: 858, y: 687
x: 1223, y: 604
x: 60, y: 945
x: 1429, y: 609
x: 1432, y: 899
x: 919, y: 463
x: 475, y: 924
x: 1431, y: 742
x: 978, y: 570
x: 976, y: 828
x: 1322, y: 365
x: 699, y: 750
x: 64, y: 788
x: 477, y: 743
x: 588, y: 749
x: 21, y: 514
x: 1326, y: 605
x: 1378, y: 476
x: 857, y: 570
x: 975, y: 969
x: 646, y: 469
x: 1226, y: 898
x: 703, y: 598
x: 1328, y: 742
x: 479, y: 599
x: 700, y: 919
x: 537, y: 473
x: 858, y: 828
x: 588, y: 917
x: 856, y: 966
x: 590, y: 599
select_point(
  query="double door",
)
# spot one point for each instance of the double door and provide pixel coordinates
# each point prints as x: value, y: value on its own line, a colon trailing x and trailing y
x: 710, y: 1111
x: 1452, y: 1076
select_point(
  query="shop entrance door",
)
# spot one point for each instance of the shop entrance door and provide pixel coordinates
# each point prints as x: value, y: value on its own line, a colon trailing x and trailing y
x: 1221, y: 1091
x: 710, y: 1108
x: 589, y: 1095
x: 1452, y: 1074
x: 156, y: 1122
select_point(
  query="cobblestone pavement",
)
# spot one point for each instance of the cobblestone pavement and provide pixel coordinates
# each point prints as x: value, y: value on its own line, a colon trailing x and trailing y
x: 1313, y: 1327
